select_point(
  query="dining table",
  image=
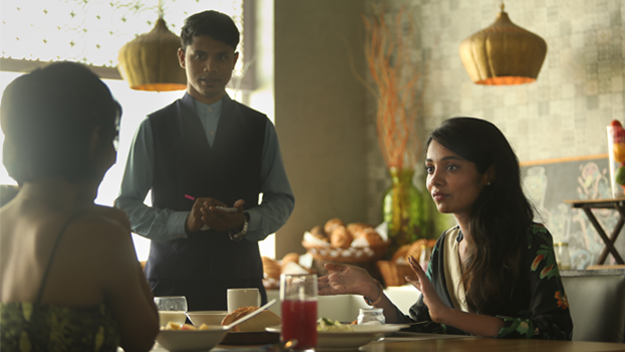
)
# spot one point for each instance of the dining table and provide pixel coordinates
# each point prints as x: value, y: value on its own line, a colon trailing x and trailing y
x: 433, y: 342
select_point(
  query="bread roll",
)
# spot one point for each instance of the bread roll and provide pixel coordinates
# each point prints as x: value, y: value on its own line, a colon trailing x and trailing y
x: 256, y: 324
x: 271, y: 268
x: 355, y: 228
x: 341, y: 238
x: 332, y: 224
x: 318, y: 232
x: 291, y: 257
x: 372, y: 236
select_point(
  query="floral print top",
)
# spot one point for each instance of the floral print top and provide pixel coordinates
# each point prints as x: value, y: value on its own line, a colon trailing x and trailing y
x: 538, y: 307
x: 30, y: 327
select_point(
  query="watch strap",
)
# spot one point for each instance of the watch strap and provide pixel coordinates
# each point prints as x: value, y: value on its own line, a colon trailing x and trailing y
x: 239, y: 235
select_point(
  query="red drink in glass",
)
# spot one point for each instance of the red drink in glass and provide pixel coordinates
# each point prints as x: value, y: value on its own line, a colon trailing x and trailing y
x: 299, y: 321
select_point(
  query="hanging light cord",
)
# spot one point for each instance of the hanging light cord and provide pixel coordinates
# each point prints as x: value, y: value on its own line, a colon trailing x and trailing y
x: 161, y: 12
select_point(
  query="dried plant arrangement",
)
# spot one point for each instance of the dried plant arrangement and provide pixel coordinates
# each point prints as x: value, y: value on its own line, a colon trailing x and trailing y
x: 389, y: 48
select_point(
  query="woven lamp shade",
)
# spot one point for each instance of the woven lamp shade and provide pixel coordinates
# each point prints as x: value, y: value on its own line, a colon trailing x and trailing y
x: 150, y: 61
x: 503, y: 54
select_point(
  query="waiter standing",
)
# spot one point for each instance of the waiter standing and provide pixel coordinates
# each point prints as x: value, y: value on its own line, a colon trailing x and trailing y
x: 199, y: 155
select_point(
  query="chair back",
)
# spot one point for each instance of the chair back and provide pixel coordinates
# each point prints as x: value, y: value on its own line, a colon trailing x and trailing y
x: 597, y: 302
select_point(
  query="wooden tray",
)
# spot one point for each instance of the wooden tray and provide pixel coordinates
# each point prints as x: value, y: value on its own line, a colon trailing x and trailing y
x: 250, y: 338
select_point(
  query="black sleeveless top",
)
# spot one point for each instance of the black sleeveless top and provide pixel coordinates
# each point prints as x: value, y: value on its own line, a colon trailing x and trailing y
x: 29, y: 327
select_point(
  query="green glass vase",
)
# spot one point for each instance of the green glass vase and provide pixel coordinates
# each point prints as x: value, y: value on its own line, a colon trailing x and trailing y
x: 405, y: 210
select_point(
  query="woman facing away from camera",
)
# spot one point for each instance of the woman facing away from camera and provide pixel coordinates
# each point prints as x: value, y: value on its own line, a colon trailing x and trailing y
x: 70, y: 277
x: 492, y: 275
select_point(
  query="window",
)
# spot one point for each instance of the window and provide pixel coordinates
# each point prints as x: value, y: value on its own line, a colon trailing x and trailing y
x: 34, y: 32
x: 93, y: 31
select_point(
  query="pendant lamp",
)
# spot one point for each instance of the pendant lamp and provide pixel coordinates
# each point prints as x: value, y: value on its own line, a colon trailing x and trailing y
x: 150, y: 61
x: 503, y: 54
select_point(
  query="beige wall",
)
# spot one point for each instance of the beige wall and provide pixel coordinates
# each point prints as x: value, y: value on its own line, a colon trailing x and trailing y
x: 319, y: 113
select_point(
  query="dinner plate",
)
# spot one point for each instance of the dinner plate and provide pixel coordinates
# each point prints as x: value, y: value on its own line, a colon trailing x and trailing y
x: 250, y: 338
x: 348, y: 340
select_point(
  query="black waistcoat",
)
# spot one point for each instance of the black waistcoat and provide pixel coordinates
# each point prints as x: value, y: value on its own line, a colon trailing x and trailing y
x: 185, y: 164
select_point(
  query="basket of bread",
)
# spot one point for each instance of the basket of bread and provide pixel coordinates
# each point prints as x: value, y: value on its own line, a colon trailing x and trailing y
x: 394, y: 270
x: 289, y: 264
x: 351, y: 243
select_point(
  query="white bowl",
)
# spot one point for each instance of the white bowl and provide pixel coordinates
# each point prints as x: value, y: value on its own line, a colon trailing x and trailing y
x: 191, y: 340
x: 208, y: 317
x: 178, y: 317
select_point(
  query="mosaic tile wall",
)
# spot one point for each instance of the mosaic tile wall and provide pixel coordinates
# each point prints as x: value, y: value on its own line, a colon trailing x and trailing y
x: 563, y: 114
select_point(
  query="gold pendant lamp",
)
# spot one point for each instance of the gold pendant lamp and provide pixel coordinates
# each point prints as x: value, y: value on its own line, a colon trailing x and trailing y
x: 503, y: 54
x: 150, y: 61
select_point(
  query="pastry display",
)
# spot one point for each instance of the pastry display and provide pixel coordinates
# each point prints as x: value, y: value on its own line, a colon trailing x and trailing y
x: 352, y: 243
x: 291, y: 257
x: 289, y: 264
x: 394, y: 270
x: 319, y: 233
x: 271, y: 268
x: 371, y: 235
x: 333, y: 224
x: 356, y: 228
x: 340, y: 237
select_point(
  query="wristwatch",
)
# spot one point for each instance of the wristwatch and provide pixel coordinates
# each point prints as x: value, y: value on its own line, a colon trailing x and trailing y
x: 239, y: 235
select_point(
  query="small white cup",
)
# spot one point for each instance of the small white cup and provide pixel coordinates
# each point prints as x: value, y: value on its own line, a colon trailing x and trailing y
x: 242, y: 297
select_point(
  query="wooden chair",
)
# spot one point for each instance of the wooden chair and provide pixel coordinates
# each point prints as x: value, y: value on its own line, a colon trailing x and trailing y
x: 597, y: 302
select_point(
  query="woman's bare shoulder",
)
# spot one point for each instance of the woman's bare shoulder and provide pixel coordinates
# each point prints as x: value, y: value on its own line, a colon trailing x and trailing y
x: 100, y: 227
x: 107, y: 215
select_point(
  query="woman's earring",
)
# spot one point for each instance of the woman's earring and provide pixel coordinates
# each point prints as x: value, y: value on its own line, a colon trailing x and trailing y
x: 488, y: 184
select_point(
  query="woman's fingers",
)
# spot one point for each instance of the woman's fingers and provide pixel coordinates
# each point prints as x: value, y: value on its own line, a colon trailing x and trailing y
x: 334, y: 266
x: 416, y: 268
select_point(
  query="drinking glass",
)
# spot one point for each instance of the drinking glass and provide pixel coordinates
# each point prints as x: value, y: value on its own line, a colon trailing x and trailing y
x: 298, y: 293
x: 171, y: 308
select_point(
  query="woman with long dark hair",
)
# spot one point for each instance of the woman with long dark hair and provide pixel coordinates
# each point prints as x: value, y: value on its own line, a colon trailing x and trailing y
x: 70, y: 279
x: 494, y: 274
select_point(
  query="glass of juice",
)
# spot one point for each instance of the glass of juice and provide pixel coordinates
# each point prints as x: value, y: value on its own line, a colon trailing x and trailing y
x: 298, y: 293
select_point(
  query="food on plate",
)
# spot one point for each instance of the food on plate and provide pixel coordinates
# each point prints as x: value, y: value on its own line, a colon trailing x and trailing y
x: 325, y: 324
x: 340, y: 237
x: 332, y: 224
x: 175, y: 326
x: 257, y: 324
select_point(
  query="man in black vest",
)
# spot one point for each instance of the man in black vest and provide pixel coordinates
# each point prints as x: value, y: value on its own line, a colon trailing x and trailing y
x: 206, y: 159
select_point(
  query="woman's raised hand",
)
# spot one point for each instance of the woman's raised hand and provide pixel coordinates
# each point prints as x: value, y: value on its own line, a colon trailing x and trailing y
x: 431, y: 299
x: 346, y: 279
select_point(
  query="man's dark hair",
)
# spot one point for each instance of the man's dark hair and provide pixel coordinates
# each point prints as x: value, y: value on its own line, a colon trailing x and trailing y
x: 48, y: 118
x: 214, y: 24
